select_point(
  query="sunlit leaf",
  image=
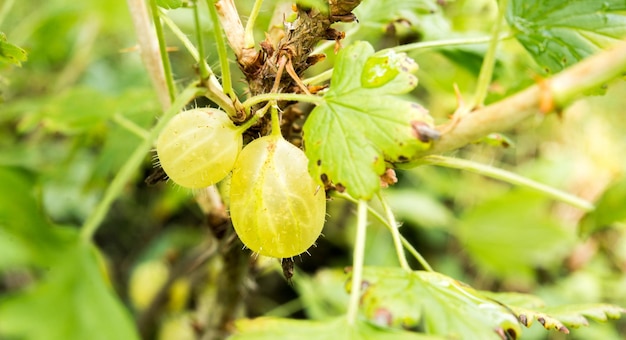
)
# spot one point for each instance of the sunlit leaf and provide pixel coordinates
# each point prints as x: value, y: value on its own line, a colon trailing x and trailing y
x: 529, y: 308
x: 363, y: 123
x: 442, y: 305
x: 560, y: 33
x: 286, y: 329
x: 10, y: 53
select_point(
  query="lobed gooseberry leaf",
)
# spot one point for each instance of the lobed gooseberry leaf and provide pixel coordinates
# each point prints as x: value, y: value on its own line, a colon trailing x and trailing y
x: 363, y: 123
x: 529, y: 308
x: 276, y: 328
x: 10, y: 53
x: 560, y: 33
x: 440, y: 304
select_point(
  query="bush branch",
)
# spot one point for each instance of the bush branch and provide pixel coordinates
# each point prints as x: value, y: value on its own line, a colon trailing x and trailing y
x: 548, y: 95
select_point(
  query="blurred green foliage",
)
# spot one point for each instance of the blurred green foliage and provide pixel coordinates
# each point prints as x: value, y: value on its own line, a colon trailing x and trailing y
x: 64, y: 118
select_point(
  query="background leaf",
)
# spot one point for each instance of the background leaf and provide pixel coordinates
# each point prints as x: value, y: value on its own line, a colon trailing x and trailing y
x: 512, y: 234
x: 363, y: 122
x: 442, y: 305
x: 68, y: 297
x: 560, y: 33
x: 10, y: 53
x: 609, y: 209
x: 274, y: 328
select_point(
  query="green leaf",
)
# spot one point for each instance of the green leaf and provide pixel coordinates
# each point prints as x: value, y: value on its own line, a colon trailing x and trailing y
x: 441, y: 304
x: 609, y: 209
x: 385, y: 11
x: 285, y: 329
x: 10, y: 53
x: 71, y: 301
x: 27, y: 237
x: 74, y: 111
x: 560, y: 33
x: 419, y: 208
x: 529, y: 308
x: 363, y: 123
x: 170, y: 4
x: 512, y: 234
x: 69, y: 297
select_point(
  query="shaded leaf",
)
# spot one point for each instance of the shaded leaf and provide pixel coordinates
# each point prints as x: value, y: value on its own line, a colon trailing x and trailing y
x: 10, y: 53
x: 363, y: 123
x: 511, y: 235
x: 69, y: 297
x: 609, y: 209
x: 419, y: 208
x: 71, y: 301
x: 560, y: 33
x: 286, y: 329
x: 442, y: 305
x: 25, y: 236
x: 385, y: 11
x: 74, y: 111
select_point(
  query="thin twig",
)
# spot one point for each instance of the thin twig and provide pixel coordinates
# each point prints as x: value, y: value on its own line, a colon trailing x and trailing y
x: 149, y: 48
x: 165, y: 58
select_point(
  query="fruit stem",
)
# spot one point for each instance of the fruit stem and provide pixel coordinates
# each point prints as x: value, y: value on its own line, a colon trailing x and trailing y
x: 260, y: 98
x: 357, y: 262
x: 395, y: 234
x: 257, y: 115
x: 275, y: 120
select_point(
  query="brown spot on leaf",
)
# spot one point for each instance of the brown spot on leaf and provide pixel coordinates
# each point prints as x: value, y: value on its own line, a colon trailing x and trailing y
x: 340, y: 188
x: 424, y: 132
x: 319, y: 163
x: 523, y: 319
x: 382, y: 317
x: 512, y: 334
x: 501, y: 333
